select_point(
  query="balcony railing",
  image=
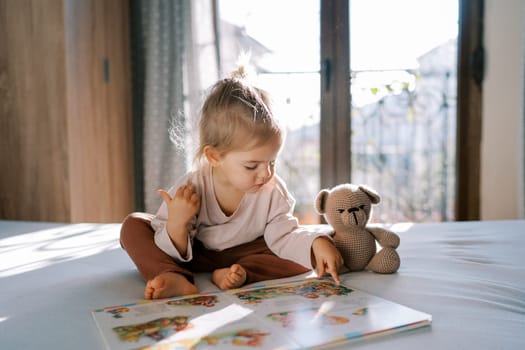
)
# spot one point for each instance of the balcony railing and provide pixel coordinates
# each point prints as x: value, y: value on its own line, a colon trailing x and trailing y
x: 403, y: 145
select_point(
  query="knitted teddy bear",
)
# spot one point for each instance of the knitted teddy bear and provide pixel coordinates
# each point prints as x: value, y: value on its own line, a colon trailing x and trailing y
x: 347, y: 208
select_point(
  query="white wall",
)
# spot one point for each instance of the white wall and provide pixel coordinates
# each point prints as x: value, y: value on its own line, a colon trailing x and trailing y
x: 502, y: 144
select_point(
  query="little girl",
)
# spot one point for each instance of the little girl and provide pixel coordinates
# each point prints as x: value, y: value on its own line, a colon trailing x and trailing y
x: 232, y: 216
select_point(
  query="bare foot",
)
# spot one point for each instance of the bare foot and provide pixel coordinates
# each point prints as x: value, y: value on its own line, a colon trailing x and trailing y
x: 169, y: 284
x: 229, y: 277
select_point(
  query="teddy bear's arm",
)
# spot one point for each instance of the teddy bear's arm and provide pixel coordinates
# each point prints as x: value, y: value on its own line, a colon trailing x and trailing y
x: 386, y: 238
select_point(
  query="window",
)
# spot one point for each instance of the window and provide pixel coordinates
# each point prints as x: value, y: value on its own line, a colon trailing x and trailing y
x: 357, y: 119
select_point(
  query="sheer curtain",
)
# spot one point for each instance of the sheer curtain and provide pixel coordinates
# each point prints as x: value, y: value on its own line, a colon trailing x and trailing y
x: 174, y: 61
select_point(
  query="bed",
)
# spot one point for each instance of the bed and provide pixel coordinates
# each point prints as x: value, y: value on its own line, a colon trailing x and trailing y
x: 468, y: 275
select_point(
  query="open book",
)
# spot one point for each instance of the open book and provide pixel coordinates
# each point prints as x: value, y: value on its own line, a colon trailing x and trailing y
x: 294, y: 315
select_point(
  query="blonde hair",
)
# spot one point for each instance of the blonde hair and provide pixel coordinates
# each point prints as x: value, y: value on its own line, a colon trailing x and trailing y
x: 236, y: 115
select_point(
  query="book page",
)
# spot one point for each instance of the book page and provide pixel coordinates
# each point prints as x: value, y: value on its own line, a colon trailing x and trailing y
x: 301, y: 314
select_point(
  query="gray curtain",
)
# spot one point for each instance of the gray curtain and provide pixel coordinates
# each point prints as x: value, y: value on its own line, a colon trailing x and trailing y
x: 173, y: 59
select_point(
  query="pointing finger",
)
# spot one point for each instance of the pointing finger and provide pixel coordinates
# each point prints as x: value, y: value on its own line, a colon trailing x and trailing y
x: 333, y: 272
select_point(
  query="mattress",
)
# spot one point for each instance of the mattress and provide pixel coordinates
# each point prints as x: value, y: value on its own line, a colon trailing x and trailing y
x: 469, y: 276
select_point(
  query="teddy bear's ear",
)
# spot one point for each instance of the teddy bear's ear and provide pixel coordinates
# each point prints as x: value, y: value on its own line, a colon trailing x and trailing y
x: 371, y: 193
x: 320, y: 201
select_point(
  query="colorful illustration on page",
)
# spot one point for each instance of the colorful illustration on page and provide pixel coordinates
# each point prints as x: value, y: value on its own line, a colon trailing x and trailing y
x: 204, y: 300
x: 360, y: 312
x: 243, y: 337
x: 306, y: 317
x: 157, y: 330
x: 309, y: 289
x: 117, y: 312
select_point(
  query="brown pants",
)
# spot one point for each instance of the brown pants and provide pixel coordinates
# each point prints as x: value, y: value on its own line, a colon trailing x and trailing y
x: 137, y: 238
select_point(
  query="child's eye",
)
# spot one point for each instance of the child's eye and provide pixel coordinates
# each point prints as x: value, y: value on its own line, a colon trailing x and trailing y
x: 250, y: 167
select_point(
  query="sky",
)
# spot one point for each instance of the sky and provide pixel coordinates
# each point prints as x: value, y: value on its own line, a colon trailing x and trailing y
x: 385, y: 34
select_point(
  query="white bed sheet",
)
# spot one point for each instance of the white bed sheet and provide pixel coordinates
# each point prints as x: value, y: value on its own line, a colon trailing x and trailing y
x: 469, y: 275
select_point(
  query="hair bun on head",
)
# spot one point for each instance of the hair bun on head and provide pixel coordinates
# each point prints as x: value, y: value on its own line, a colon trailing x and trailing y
x: 244, y: 71
x: 241, y: 73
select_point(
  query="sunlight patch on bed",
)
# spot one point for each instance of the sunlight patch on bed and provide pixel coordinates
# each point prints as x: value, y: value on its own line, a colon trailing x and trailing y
x: 401, y: 227
x: 39, y: 249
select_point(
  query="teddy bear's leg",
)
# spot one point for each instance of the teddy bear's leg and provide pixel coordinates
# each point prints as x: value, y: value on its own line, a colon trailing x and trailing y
x: 385, y: 261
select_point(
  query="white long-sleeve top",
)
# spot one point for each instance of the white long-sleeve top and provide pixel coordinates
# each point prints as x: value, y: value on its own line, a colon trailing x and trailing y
x: 267, y: 212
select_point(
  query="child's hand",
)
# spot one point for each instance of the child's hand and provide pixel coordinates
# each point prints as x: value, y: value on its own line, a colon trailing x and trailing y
x: 182, y: 207
x: 184, y: 204
x: 327, y: 258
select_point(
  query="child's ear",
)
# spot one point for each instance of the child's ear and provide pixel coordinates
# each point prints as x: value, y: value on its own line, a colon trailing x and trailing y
x: 212, y: 155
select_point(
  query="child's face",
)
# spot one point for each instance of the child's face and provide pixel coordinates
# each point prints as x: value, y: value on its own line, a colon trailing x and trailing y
x: 248, y: 171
